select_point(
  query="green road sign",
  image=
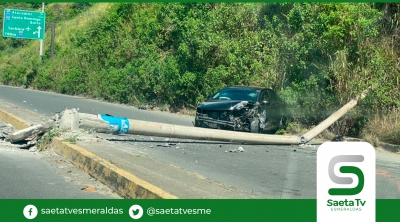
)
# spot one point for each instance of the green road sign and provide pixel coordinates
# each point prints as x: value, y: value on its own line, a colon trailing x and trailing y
x: 24, y: 24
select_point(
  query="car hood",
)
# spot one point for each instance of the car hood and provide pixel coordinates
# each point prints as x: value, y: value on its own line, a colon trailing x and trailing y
x: 218, y: 104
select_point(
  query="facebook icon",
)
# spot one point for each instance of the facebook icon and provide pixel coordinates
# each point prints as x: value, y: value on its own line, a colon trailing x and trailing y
x: 30, y: 212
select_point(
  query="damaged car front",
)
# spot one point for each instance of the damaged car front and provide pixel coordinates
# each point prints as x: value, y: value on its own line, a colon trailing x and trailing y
x: 234, y: 108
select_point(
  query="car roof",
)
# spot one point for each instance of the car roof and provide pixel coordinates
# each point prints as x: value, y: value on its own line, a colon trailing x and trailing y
x: 246, y: 87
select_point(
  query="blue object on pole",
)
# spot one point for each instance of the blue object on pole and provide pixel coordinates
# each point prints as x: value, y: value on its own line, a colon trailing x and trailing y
x: 117, y: 124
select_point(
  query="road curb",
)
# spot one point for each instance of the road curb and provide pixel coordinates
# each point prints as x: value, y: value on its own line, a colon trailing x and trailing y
x: 124, y: 183
x: 390, y: 147
x: 14, y: 120
x: 386, y: 146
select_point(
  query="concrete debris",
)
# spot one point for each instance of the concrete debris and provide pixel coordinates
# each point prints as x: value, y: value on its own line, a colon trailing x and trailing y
x: 311, y: 146
x: 69, y: 120
x: 7, y: 144
x: 238, y: 150
x: 5, y: 130
x: 29, y: 132
x: 33, y: 149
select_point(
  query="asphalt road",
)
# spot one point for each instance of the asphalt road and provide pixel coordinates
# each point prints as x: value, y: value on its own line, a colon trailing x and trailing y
x: 268, y: 171
x: 48, y: 104
x: 30, y: 175
x: 278, y: 172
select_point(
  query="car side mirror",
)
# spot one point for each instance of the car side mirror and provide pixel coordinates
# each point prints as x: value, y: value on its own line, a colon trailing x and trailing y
x: 265, y: 102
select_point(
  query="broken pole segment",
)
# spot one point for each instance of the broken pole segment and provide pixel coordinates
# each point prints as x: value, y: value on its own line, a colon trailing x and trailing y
x: 331, y: 119
x: 26, y: 133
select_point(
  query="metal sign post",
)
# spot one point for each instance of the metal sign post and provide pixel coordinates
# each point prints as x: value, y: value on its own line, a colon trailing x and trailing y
x: 41, y: 41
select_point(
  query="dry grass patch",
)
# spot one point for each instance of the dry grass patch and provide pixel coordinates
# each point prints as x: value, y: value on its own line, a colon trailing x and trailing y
x: 296, y: 128
x: 383, y: 127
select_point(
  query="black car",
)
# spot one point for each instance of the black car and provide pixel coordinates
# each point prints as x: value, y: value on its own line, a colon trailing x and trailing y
x: 243, y: 108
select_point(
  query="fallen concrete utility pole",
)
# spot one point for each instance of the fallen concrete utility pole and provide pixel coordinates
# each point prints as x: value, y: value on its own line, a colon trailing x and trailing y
x: 117, y: 125
x: 331, y: 119
x: 72, y: 120
x: 123, y: 125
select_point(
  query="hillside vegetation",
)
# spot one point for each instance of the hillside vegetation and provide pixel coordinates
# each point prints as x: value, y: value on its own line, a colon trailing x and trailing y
x: 318, y: 56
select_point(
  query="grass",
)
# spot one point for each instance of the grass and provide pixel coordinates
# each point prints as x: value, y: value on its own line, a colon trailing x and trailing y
x: 280, y: 132
x: 72, y: 139
x: 296, y: 128
x: 385, y: 126
x: 46, y: 139
x: 67, y: 28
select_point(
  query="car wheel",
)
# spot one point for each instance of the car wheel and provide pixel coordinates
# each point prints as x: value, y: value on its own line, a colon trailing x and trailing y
x: 255, y: 125
x: 283, y: 123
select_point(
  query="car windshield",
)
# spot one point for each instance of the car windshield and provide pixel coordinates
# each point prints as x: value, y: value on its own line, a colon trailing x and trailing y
x: 237, y: 94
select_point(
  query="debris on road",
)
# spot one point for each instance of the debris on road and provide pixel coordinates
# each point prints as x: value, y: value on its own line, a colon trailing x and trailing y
x: 5, y: 130
x: 89, y: 189
x: 69, y: 120
x: 30, y: 132
x: 238, y: 150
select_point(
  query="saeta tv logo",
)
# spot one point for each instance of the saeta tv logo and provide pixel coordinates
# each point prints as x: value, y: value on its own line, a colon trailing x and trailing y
x: 346, y: 182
